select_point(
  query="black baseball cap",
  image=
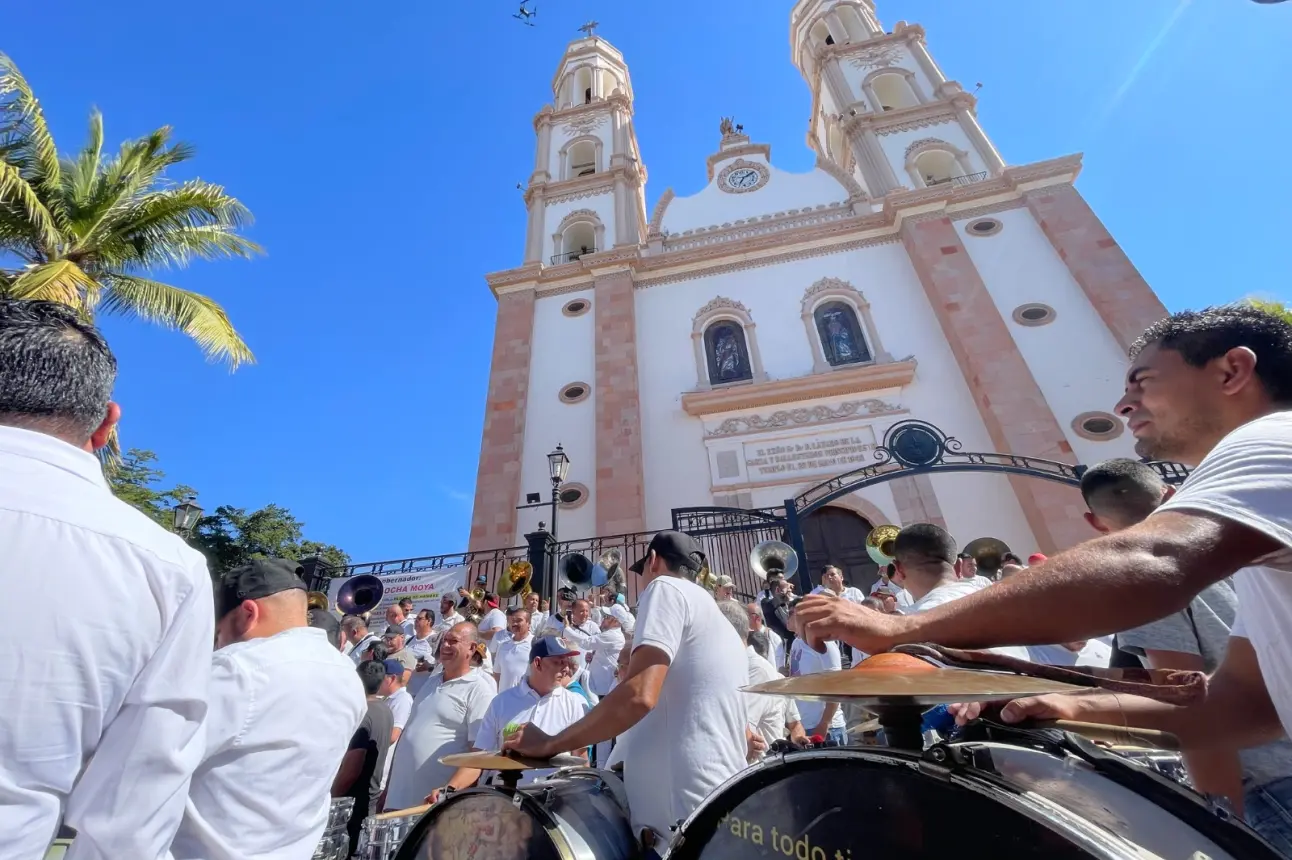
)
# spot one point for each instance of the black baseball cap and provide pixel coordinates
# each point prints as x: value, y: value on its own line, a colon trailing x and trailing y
x: 674, y: 547
x: 258, y: 578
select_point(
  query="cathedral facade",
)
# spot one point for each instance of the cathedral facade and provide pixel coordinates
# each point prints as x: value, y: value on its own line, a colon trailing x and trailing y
x: 740, y: 345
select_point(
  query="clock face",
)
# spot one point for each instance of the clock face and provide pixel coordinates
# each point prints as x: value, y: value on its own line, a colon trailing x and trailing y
x: 745, y: 177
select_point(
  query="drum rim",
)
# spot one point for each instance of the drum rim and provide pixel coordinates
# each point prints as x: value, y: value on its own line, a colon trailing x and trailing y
x: 549, y: 823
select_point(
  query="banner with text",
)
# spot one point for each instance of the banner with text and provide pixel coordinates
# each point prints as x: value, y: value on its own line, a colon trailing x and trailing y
x: 424, y: 588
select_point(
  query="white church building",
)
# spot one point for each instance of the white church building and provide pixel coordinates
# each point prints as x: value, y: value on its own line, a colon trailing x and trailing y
x: 740, y: 345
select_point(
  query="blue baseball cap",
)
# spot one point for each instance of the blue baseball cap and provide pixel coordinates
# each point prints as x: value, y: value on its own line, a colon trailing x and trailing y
x: 551, y: 646
x: 393, y: 667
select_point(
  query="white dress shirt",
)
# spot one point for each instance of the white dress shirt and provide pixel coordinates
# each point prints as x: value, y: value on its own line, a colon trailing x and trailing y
x: 512, y: 661
x: 605, y: 646
x: 553, y: 713
x: 103, y: 706
x: 283, y: 710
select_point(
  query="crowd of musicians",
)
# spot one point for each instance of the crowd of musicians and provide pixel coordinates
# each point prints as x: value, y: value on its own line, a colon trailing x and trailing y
x: 124, y: 723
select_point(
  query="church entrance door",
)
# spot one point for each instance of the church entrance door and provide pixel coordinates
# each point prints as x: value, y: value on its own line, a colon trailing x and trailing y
x: 838, y: 536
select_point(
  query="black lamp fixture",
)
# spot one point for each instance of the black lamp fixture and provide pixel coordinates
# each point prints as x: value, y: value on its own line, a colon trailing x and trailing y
x: 558, y: 466
x: 186, y: 513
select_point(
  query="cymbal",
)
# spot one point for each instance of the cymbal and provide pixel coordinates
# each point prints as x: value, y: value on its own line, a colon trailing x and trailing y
x: 931, y: 686
x: 482, y: 760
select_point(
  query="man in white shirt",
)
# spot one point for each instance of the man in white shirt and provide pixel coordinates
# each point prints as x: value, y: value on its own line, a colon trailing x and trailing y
x: 270, y: 670
x: 1211, y: 388
x: 358, y: 637
x: 885, y: 585
x: 512, y: 660
x: 540, y: 700
x: 397, y: 697
x: 832, y: 581
x: 406, y: 607
x: 579, y: 629
x: 537, y: 618
x: 681, y: 697
x: 820, y: 719
x: 493, y: 623
x: 116, y: 689
x: 967, y: 571
x: 449, y: 615
x: 756, y: 623
x: 446, y: 717
x: 615, y: 625
x: 770, y: 717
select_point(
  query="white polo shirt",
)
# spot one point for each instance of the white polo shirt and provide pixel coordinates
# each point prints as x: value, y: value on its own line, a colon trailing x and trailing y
x: 111, y: 694
x: 512, y: 662
x: 850, y: 594
x: 283, y: 710
x: 553, y: 713
x: 805, y: 661
x: 446, y: 717
x: 768, y: 715
x: 605, y: 647
x: 495, y: 619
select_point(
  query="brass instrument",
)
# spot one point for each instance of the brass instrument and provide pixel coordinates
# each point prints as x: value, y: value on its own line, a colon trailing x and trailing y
x: 360, y: 594
x: 516, y: 580
x: 706, y: 578
x: 477, y: 594
x: 988, y: 552
x: 610, y: 560
x: 880, y: 544
x: 575, y: 568
x: 773, y: 556
x: 316, y: 600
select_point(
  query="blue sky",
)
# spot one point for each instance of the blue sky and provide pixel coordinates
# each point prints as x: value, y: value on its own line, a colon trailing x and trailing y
x: 379, y: 146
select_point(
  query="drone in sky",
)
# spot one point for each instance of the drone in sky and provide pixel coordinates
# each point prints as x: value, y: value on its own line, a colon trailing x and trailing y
x: 525, y: 13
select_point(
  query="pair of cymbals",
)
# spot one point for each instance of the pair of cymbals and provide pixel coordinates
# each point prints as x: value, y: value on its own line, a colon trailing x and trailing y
x: 922, y: 686
x: 488, y: 760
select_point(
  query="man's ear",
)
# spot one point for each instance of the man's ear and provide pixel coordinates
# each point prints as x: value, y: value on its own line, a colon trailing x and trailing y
x: 99, y: 437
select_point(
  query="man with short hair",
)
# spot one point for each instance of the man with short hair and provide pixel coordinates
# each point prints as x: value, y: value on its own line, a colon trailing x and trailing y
x: 900, y: 597
x: 89, y: 700
x: 823, y: 719
x: 775, y: 604
x: 446, y: 717
x: 268, y: 671
x: 449, y: 615
x: 357, y: 636
x: 537, y: 618
x: 493, y: 626
x: 832, y: 580
x: 406, y: 607
x: 360, y: 773
x: 771, y: 718
x: 581, y: 631
x: 756, y: 624
x: 512, y: 660
x: 540, y: 700
x: 395, y: 650
x: 422, y: 643
x: 395, y: 616
x: 1211, y: 388
x: 681, y: 697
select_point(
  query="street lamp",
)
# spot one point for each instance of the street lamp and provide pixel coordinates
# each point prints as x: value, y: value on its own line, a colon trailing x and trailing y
x: 186, y: 514
x: 558, y: 466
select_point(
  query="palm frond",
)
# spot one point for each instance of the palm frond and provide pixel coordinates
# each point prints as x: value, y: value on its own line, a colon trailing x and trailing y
x: 81, y: 176
x: 126, y: 178
x: 60, y: 281
x: 196, y: 315
x: 13, y: 187
x: 36, y: 154
x: 170, y: 227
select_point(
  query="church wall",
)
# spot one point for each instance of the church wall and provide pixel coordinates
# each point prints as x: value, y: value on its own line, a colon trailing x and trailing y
x: 1075, y: 359
x: 562, y: 353
x: 983, y: 506
x: 597, y: 128
x: 784, y: 191
x: 895, y: 146
x: 602, y: 204
x: 677, y: 467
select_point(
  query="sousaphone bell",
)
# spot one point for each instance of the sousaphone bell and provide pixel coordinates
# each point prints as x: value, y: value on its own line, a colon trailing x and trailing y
x: 360, y: 594
x: 880, y: 544
x: 988, y: 552
x: 773, y: 556
x: 516, y: 579
x: 578, y: 569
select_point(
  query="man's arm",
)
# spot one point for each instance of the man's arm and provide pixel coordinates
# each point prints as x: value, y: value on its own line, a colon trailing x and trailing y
x: 351, y: 768
x: 130, y: 798
x: 827, y: 716
x: 1102, y: 586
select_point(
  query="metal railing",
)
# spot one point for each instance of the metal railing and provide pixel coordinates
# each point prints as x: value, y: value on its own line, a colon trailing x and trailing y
x: 571, y: 256
x: 491, y: 563
x: 968, y: 179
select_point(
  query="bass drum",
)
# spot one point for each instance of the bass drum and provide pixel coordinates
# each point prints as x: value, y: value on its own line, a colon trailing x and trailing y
x: 986, y: 799
x: 576, y: 814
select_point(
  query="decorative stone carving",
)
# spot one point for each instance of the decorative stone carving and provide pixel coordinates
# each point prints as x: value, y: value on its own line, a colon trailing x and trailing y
x: 579, y: 215
x: 657, y: 217
x: 585, y: 124
x: 845, y: 179
x: 923, y: 143
x: 879, y: 57
x: 869, y: 408
x: 720, y: 303
x: 830, y: 284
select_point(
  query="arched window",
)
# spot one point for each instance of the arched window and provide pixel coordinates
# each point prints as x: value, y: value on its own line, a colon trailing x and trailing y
x: 579, y: 233
x: 936, y: 167
x: 890, y: 90
x: 727, y: 353
x: 583, y: 86
x: 582, y: 159
x: 841, y: 339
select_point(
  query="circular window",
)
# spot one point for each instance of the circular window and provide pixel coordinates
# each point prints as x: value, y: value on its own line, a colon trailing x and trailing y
x: 575, y: 392
x: 983, y: 227
x: 572, y: 495
x: 1099, y: 426
x: 576, y: 307
x: 1034, y: 314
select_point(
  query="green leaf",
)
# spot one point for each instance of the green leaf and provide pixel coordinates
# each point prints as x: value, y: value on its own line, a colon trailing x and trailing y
x: 196, y: 315
x: 61, y: 281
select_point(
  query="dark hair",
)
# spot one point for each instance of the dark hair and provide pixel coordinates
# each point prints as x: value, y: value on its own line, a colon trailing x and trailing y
x: 372, y: 673
x: 1010, y: 558
x: 928, y: 542
x: 873, y: 603
x: 830, y: 567
x: 327, y: 622
x: 351, y: 623
x: 379, y: 651
x: 58, y: 370
x: 760, y: 642
x: 404, y: 600
x: 427, y: 614
x: 1123, y: 487
x: 1200, y: 336
x: 516, y: 610
x: 489, y: 595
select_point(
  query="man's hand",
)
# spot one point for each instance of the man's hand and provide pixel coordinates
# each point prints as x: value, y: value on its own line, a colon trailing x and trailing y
x: 817, y: 618
x: 1054, y: 706
x: 755, y: 744
x: 529, y: 741
x: 434, y: 797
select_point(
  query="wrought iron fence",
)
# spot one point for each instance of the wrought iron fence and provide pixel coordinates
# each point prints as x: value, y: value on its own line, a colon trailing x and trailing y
x: 729, y: 535
x: 571, y: 256
x: 967, y: 179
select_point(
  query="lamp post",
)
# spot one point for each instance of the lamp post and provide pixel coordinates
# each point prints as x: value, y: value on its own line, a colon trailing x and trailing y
x: 558, y: 466
x: 186, y: 513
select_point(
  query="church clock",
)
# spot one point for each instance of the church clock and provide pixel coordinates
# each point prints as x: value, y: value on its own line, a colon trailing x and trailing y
x: 742, y: 177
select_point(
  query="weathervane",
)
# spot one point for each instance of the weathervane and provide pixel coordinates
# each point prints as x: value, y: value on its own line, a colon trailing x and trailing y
x: 590, y: 28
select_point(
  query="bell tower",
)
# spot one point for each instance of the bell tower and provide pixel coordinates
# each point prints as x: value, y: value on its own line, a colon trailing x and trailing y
x: 587, y: 191
x: 882, y: 110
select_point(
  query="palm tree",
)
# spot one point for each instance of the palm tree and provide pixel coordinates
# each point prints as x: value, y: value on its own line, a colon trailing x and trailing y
x: 88, y: 231
x: 1273, y: 307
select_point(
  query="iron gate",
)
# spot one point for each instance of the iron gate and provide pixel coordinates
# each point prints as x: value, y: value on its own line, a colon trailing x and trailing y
x: 728, y: 535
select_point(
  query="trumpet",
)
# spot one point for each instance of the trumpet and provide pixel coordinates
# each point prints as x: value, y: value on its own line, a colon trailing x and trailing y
x: 880, y: 544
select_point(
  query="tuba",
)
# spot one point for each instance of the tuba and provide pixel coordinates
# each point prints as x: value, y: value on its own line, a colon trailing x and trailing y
x: 516, y: 579
x: 360, y: 594
x: 316, y: 600
x: 988, y: 552
x: 477, y: 594
x: 880, y: 542
x: 575, y: 568
x: 773, y: 556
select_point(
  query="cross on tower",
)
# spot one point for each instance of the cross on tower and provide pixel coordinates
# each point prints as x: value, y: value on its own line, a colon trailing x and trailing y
x: 590, y: 28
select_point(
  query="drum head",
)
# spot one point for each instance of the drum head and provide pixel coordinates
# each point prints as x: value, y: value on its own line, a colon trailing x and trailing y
x: 479, y: 823
x: 854, y: 805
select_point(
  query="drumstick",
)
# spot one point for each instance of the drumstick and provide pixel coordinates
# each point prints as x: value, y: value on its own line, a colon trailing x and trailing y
x: 401, y: 813
x: 1121, y: 735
